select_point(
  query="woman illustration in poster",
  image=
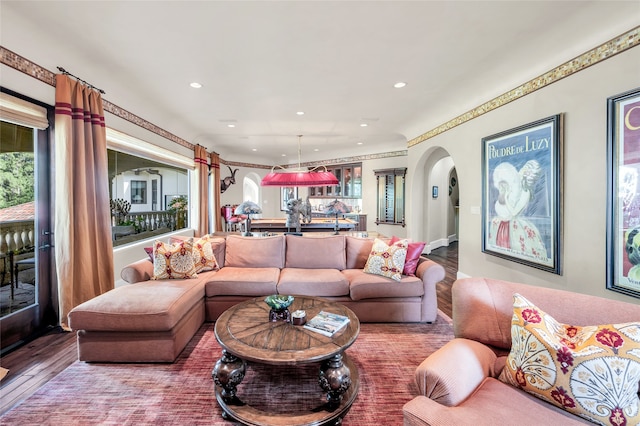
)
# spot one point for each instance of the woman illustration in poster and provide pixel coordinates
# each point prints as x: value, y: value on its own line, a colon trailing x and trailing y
x: 509, y: 228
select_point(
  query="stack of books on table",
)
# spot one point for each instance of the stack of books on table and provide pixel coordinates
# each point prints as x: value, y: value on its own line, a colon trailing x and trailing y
x: 327, y: 323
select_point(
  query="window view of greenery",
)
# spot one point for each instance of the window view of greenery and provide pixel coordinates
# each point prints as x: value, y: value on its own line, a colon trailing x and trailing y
x: 16, y: 178
x: 17, y: 217
x: 148, y: 198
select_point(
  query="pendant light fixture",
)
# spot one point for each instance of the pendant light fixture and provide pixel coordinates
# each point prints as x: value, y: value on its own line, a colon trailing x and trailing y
x: 299, y: 177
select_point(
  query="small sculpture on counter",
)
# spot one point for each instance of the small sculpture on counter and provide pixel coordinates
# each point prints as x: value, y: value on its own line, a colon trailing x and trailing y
x: 298, y: 211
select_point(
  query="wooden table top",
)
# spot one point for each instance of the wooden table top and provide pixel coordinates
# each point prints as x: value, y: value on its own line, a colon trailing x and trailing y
x: 245, y: 331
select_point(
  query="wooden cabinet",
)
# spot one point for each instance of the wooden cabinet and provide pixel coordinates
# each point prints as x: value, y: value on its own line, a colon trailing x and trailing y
x: 349, y: 183
x: 390, y: 196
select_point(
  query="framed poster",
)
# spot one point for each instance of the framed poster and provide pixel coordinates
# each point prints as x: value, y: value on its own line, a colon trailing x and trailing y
x: 521, y: 187
x: 287, y: 193
x: 623, y: 193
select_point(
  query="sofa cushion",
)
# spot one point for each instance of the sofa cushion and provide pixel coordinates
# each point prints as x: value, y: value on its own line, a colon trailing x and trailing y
x: 387, y: 260
x: 231, y: 280
x: 493, y: 403
x: 313, y: 282
x: 358, y: 250
x: 590, y: 371
x: 146, y: 306
x: 173, y: 261
x: 315, y: 252
x: 368, y: 286
x: 250, y: 252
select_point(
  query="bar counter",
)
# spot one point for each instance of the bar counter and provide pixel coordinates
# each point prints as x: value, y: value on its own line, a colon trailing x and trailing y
x: 316, y: 225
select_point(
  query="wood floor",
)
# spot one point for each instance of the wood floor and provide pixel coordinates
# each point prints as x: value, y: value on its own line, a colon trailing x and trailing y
x: 34, y: 364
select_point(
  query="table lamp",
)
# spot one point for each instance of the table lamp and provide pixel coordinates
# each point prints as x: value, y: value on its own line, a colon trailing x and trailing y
x: 336, y: 207
x: 248, y: 208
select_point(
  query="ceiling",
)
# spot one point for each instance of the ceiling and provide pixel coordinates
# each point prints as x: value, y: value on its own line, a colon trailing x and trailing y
x: 260, y: 62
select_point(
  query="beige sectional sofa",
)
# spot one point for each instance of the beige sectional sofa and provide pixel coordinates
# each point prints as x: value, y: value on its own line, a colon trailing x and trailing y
x: 152, y: 320
x: 459, y: 383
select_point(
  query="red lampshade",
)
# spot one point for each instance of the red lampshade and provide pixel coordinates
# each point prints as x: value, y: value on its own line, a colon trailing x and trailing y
x: 299, y: 178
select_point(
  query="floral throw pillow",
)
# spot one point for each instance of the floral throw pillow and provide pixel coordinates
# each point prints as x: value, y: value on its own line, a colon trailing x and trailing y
x: 590, y: 371
x: 387, y: 260
x: 173, y: 260
x: 203, y: 256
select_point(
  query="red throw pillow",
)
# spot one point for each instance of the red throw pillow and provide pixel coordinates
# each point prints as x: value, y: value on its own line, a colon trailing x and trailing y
x: 149, y: 251
x: 414, y: 250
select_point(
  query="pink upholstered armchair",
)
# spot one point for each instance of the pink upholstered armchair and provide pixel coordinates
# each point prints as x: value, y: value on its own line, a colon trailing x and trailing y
x: 459, y: 384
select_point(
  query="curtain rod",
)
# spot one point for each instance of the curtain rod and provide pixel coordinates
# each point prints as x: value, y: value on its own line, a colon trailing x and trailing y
x: 91, y: 86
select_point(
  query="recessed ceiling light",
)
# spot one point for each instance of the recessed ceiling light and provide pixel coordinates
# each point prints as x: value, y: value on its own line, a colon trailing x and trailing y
x: 316, y: 149
x: 196, y: 85
x: 359, y: 143
x: 284, y: 155
x: 254, y: 149
x: 231, y: 125
x: 300, y: 112
x: 363, y: 124
x: 399, y: 84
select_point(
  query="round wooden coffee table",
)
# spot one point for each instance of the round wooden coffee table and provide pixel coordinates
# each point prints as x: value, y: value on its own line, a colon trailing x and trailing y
x: 246, y: 334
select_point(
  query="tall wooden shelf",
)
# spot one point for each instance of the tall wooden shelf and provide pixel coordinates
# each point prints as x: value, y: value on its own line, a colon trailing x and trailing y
x: 391, y: 194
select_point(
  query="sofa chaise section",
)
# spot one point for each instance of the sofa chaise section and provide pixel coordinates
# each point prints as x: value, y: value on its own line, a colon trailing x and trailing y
x: 144, y: 322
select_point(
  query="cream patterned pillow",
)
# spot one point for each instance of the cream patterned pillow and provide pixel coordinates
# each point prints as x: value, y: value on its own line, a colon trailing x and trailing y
x: 387, y: 260
x: 590, y: 371
x: 203, y: 256
x: 173, y: 260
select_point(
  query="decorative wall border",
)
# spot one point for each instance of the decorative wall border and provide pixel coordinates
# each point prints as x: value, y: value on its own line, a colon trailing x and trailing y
x: 15, y: 61
x: 605, y: 51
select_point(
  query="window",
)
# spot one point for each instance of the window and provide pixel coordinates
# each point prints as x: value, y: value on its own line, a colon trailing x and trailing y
x: 138, y: 192
x: 149, y: 189
x: 390, y: 196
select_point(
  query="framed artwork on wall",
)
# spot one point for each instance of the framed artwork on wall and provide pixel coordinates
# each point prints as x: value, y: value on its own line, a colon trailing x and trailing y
x: 287, y: 193
x: 623, y: 193
x: 521, y: 189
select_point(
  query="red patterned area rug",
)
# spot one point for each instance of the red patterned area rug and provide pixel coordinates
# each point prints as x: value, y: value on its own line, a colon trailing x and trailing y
x: 182, y: 393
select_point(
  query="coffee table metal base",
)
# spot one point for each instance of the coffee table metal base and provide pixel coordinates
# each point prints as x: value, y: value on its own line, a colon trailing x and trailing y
x: 338, y: 377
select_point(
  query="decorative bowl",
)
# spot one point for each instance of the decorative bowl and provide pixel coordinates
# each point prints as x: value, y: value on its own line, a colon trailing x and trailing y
x: 278, y: 302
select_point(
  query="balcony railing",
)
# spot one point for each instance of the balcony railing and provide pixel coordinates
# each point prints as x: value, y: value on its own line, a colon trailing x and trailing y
x: 17, y: 242
x: 140, y: 225
x: 17, y: 236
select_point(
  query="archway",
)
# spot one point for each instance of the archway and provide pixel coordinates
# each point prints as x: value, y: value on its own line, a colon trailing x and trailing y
x: 433, y: 207
x: 251, y: 189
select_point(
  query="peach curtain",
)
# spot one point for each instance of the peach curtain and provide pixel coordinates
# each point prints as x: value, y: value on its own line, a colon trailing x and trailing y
x: 202, y: 168
x: 215, y: 167
x: 83, y: 247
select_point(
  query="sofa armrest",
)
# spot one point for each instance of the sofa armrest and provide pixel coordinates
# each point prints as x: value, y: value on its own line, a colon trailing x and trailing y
x: 431, y: 273
x: 136, y: 272
x: 453, y: 372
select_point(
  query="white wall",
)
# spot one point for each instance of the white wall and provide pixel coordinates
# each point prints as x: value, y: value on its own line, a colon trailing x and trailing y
x: 582, y: 97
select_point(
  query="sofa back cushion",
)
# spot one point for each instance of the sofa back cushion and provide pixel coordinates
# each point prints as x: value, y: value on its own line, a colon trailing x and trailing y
x: 249, y: 252
x: 358, y: 250
x: 316, y: 252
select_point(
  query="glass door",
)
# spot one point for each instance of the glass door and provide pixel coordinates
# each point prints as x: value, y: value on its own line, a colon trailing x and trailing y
x: 26, y: 269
